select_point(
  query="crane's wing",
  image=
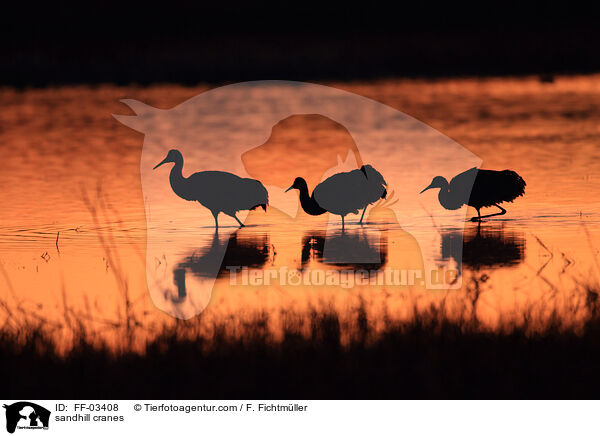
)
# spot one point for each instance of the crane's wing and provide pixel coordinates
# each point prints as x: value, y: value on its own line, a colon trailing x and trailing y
x: 340, y: 194
x: 464, y: 181
x: 497, y: 186
x: 461, y: 188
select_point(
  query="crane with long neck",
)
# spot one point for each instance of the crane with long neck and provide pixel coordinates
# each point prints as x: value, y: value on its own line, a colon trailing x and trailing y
x: 218, y: 191
x: 307, y: 201
x: 479, y: 188
x: 343, y: 193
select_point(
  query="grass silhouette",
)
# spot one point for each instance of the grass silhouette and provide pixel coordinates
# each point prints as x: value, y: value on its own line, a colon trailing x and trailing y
x: 319, y: 354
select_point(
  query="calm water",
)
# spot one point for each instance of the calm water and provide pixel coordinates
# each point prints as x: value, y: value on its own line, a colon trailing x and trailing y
x: 72, y: 179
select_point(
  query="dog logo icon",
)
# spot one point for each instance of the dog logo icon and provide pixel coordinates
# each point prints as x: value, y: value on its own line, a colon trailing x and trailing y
x: 26, y: 415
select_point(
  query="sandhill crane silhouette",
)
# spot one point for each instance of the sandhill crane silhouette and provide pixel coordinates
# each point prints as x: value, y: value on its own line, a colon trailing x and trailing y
x: 480, y: 249
x: 352, y: 250
x: 238, y: 250
x: 218, y: 191
x: 342, y: 193
x: 489, y: 188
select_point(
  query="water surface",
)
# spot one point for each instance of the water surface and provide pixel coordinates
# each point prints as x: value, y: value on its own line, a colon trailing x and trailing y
x: 73, y: 229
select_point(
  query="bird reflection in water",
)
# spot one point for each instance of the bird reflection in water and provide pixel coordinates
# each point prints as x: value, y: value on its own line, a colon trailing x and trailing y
x: 488, y: 247
x: 240, y: 250
x: 356, y: 250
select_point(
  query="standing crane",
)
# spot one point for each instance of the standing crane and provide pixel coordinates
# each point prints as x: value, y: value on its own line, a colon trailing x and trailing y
x: 218, y: 191
x: 343, y: 193
x: 479, y: 188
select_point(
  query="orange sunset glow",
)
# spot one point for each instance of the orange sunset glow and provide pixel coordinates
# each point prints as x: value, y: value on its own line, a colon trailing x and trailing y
x: 74, y: 227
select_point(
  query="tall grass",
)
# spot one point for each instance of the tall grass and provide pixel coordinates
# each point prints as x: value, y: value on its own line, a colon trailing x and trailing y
x: 318, y: 354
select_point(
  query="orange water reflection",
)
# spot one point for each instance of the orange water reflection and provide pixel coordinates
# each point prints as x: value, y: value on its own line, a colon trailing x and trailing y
x: 62, y: 146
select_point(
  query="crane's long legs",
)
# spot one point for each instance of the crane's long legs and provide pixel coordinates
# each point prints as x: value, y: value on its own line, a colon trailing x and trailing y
x: 216, y: 221
x: 342, y: 223
x: 240, y: 223
x: 363, y: 215
x: 479, y: 217
x: 502, y: 212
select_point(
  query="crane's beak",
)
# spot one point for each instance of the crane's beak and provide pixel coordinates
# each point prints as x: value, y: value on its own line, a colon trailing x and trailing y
x: 163, y: 162
x: 429, y: 187
x: 291, y: 187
